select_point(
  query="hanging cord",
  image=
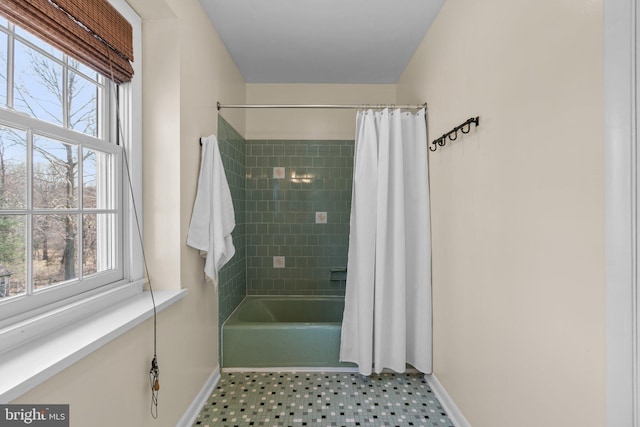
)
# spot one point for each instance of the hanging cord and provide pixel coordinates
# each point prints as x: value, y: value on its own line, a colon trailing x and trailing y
x: 154, y: 371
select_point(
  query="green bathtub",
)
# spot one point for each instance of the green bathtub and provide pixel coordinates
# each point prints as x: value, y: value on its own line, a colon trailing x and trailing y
x: 278, y: 332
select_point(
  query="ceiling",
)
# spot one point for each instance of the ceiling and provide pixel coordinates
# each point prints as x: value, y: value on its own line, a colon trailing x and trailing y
x: 321, y: 41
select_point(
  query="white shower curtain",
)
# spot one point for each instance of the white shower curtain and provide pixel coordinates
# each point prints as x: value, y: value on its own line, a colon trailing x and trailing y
x: 387, y: 315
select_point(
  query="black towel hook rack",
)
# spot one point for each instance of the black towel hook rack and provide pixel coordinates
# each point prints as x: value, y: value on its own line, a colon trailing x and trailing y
x: 453, y: 133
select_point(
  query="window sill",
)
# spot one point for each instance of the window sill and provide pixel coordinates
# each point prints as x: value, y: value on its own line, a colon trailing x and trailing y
x: 24, y: 367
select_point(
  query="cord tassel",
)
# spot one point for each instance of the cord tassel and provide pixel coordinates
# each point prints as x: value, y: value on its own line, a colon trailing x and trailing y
x: 154, y: 381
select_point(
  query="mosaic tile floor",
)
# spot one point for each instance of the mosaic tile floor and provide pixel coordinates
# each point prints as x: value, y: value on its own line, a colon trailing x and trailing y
x: 322, y: 399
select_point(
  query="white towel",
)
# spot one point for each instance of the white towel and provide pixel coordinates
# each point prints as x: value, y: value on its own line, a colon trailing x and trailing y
x: 213, y: 218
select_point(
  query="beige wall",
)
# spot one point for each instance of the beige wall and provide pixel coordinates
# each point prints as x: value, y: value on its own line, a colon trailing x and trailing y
x: 186, y: 70
x: 517, y: 208
x: 314, y: 123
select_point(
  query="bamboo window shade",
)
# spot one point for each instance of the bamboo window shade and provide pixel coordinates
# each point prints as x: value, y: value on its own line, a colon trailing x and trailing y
x: 91, y: 31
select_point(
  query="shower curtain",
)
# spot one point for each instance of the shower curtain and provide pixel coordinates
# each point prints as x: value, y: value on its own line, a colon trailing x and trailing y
x: 387, y: 315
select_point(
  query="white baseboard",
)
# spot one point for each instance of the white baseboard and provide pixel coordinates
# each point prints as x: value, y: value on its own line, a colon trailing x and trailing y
x: 449, y: 406
x: 194, y: 409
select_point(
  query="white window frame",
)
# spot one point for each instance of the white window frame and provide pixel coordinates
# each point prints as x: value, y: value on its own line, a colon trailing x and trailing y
x: 22, y: 322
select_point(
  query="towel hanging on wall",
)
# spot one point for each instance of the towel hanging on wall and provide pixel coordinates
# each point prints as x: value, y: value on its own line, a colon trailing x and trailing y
x: 213, y: 217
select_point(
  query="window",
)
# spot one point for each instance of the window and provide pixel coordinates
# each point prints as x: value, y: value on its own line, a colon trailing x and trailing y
x: 62, y: 210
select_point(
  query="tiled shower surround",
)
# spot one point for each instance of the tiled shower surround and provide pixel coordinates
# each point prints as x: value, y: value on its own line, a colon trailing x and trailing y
x: 298, y: 206
x: 232, y: 283
x: 292, y: 201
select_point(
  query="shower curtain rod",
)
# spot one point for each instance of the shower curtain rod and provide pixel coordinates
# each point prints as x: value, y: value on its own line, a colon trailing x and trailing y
x: 322, y: 106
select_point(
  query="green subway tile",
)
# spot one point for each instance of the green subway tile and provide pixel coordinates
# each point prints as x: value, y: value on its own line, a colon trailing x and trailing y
x: 334, y: 151
x: 303, y: 262
x: 330, y: 162
x: 346, y: 151
x: 255, y: 239
x: 312, y: 150
x: 278, y: 240
x: 283, y: 204
x: 262, y: 161
x: 320, y: 183
x: 285, y: 161
x: 293, y: 205
x: 306, y: 251
x: 251, y: 205
x: 285, y: 228
x: 318, y: 162
x: 286, y: 251
x: 285, y: 186
x: 267, y: 217
x: 273, y: 229
x: 342, y: 184
x: 262, y: 206
x: 250, y: 195
x: 323, y: 240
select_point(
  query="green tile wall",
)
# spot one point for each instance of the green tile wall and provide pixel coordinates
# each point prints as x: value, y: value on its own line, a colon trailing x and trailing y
x: 232, y: 283
x: 276, y: 217
x: 281, y: 216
